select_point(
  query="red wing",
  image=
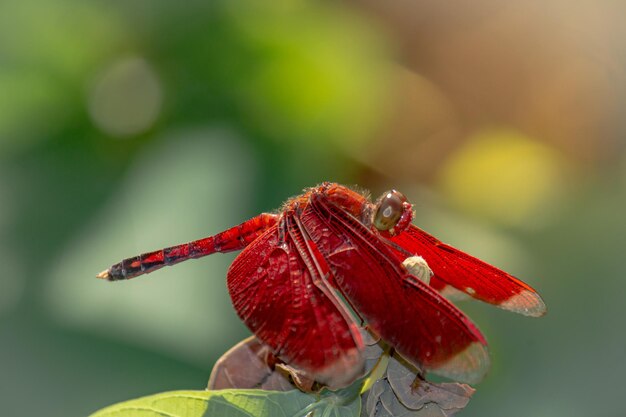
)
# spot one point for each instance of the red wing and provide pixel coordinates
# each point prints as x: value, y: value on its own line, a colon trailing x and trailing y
x: 469, y: 274
x: 287, y: 306
x: 412, y: 317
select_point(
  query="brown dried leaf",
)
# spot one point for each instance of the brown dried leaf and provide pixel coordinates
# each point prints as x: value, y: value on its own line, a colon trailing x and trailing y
x: 249, y: 364
x: 403, y: 393
x: 374, y: 348
x: 299, y: 378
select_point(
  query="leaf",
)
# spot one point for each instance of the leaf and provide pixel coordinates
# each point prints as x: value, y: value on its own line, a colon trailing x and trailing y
x: 417, y: 393
x: 240, y: 403
x: 394, y: 387
x: 374, y: 349
x: 403, y: 393
x: 168, y: 404
x: 251, y: 364
x: 246, y: 365
x: 257, y: 403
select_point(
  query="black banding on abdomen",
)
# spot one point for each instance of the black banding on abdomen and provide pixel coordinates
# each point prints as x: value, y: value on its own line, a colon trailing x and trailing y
x: 116, y: 272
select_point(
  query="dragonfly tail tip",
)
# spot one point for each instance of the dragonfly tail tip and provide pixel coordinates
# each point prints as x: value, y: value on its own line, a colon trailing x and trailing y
x: 104, y: 275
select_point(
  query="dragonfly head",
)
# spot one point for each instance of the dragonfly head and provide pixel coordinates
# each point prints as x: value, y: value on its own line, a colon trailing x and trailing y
x: 392, y: 213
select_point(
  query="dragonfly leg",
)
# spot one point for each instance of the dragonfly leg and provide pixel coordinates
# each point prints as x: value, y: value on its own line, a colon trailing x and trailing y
x: 235, y: 238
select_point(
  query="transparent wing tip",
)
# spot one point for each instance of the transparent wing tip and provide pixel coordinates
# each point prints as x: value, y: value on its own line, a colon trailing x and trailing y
x: 469, y: 366
x: 527, y: 303
x: 344, y: 371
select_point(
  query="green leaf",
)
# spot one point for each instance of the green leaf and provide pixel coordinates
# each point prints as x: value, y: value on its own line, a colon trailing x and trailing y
x: 174, y: 403
x: 240, y: 403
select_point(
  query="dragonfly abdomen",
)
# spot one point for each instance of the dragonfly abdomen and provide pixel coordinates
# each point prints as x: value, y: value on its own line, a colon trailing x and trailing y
x: 235, y: 238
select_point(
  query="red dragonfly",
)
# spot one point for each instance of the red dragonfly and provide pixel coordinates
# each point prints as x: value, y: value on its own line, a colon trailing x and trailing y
x: 331, y: 258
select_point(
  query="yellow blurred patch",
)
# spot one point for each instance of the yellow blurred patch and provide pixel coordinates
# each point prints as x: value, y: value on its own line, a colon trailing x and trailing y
x: 504, y: 176
x: 321, y: 72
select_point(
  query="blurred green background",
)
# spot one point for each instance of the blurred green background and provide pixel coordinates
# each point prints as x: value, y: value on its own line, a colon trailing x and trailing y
x: 127, y: 126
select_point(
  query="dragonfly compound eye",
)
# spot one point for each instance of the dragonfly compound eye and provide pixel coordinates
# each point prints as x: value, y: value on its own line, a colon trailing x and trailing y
x: 389, y: 209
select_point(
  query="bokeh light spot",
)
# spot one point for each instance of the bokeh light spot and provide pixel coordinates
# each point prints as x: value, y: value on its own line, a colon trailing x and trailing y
x: 126, y: 98
x: 505, y: 176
